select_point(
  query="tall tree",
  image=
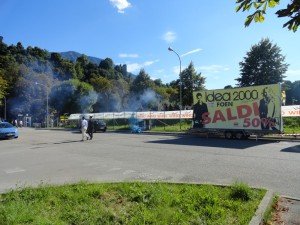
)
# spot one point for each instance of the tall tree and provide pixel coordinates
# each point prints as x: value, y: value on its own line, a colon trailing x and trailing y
x: 191, y: 81
x: 292, y: 92
x: 292, y: 11
x: 3, y: 84
x: 73, y: 96
x: 263, y: 64
x: 141, y: 83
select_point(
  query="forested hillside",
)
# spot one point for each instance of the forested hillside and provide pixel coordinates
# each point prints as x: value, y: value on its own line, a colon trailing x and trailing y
x: 29, y: 75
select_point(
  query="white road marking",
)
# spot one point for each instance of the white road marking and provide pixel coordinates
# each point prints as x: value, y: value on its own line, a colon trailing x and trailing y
x: 14, y: 170
x: 128, y: 172
x: 114, y: 169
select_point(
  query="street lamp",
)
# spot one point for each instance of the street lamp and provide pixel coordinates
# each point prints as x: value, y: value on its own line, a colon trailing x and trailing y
x: 5, y: 108
x: 47, y: 111
x: 180, y: 85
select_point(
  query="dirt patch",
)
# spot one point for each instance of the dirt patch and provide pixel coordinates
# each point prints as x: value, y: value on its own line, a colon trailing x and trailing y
x: 287, y: 212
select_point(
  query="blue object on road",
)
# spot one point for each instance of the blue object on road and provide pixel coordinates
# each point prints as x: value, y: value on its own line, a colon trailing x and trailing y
x: 134, y: 125
x: 136, y: 129
x: 7, y: 131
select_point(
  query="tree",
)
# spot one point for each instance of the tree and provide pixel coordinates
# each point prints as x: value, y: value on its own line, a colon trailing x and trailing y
x: 191, y: 81
x: 72, y: 96
x: 3, y: 85
x: 228, y: 87
x: 263, y: 64
x: 141, y: 83
x: 292, y: 92
x: 292, y: 11
x: 103, y: 87
x: 106, y: 64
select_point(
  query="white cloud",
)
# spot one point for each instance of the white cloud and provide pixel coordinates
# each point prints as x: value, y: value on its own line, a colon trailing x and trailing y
x: 191, y: 52
x: 213, y: 69
x: 169, y: 36
x: 125, y: 55
x: 121, y: 5
x: 154, y: 78
x: 133, y: 67
x: 148, y: 63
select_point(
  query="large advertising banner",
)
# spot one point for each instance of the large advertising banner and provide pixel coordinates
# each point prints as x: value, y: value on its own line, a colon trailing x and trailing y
x: 252, y: 108
x: 290, y: 111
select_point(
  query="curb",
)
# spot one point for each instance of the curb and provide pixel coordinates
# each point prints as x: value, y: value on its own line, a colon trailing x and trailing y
x: 262, y: 208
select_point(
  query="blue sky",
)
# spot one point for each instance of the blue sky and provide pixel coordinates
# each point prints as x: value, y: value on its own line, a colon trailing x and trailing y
x: 138, y: 33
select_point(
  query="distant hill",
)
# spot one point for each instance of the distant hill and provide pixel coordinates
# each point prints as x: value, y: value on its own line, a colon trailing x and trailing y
x: 71, y: 55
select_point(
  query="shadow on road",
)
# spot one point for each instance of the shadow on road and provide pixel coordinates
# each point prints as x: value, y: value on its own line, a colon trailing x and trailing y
x: 66, y: 142
x: 213, y: 142
x: 293, y: 149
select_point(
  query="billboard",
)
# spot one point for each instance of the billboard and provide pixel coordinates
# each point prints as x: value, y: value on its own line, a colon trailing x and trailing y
x: 251, y: 108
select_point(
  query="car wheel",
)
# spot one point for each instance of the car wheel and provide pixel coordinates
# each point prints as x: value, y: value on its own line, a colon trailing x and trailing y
x: 228, y: 135
x: 239, y: 135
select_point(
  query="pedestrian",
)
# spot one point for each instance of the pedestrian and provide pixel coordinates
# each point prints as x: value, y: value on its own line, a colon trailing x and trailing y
x: 16, y: 123
x: 21, y: 123
x: 84, y: 126
x: 90, y: 129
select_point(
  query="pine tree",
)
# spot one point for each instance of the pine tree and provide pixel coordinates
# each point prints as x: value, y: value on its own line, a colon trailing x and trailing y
x: 263, y: 64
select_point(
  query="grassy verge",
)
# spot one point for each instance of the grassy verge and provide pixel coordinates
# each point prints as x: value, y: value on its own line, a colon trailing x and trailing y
x: 270, y: 211
x: 291, y: 125
x: 130, y: 203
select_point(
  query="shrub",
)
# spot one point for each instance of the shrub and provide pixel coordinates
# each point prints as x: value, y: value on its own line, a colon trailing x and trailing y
x: 240, y: 191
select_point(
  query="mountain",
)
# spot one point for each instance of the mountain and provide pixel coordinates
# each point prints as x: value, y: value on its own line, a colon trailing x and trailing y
x: 71, y: 55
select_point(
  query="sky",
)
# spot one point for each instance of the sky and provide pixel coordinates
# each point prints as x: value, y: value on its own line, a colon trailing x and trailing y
x: 138, y: 33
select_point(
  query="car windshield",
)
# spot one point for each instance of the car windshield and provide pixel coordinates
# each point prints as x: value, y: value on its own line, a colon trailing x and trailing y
x: 6, y: 125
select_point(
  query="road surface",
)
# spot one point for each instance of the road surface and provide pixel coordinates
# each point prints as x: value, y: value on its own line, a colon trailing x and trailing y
x: 56, y: 157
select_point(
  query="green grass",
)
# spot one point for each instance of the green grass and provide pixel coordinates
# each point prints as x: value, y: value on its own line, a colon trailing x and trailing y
x: 128, y: 203
x: 267, y: 217
x: 291, y: 125
x: 171, y: 128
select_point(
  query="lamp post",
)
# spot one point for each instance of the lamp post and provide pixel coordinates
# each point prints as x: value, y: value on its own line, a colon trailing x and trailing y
x: 47, y: 110
x: 5, y: 108
x: 180, y: 85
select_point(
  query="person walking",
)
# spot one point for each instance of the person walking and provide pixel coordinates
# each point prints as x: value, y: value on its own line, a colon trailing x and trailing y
x: 90, y: 129
x: 84, y: 127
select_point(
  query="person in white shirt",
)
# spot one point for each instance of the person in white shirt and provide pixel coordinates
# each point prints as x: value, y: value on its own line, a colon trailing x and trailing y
x: 84, y: 126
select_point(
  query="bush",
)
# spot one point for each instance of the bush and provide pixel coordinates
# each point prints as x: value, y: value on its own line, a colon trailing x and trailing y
x: 240, y: 191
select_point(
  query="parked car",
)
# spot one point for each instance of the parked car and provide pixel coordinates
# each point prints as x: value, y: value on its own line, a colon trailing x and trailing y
x: 8, y: 131
x: 99, y: 125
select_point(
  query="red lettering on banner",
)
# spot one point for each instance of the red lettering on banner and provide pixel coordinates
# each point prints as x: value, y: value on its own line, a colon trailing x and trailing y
x: 255, y: 109
x: 294, y: 112
x: 229, y: 114
x: 205, y: 118
x: 241, y: 111
x: 218, y: 116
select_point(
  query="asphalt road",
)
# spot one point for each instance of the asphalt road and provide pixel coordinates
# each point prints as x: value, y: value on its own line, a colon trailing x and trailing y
x: 43, y: 156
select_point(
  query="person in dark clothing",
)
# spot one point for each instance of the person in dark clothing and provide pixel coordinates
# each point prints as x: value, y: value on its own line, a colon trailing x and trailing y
x: 90, y: 129
x: 199, y: 108
x: 267, y: 111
